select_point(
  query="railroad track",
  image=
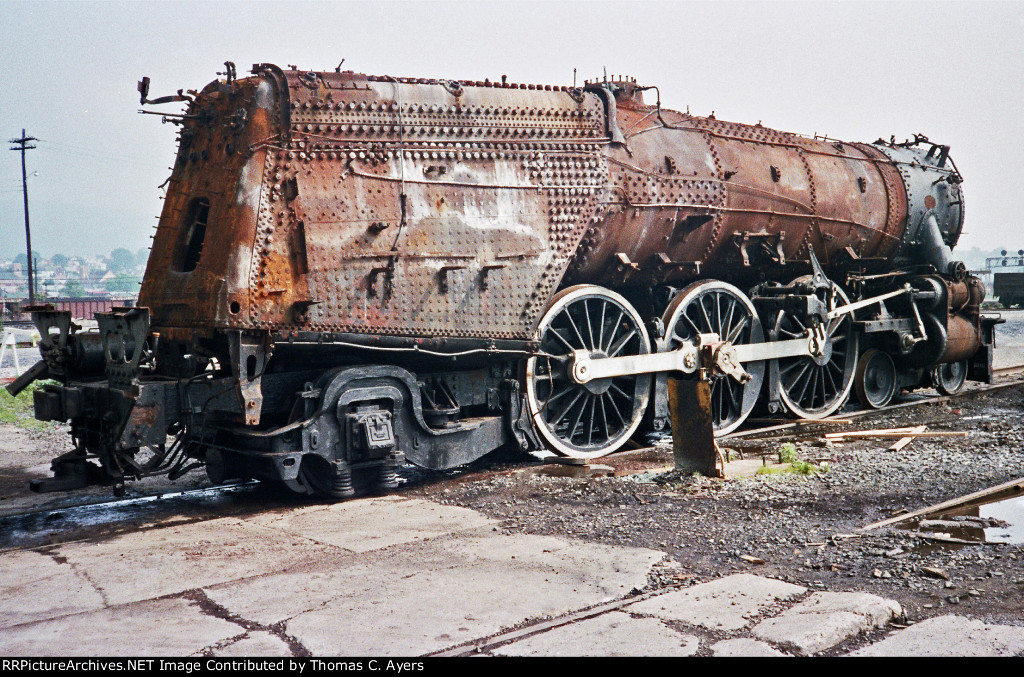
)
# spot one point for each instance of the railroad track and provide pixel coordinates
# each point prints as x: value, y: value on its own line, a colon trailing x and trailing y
x: 915, y: 402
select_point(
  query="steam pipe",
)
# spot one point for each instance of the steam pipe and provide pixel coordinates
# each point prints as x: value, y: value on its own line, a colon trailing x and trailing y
x: 935, y: 252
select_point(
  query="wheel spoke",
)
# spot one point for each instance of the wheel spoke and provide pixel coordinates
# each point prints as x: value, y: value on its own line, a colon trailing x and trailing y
x: 704, y: 312
x: 592, y: 401
x: 554, y: 332
x: 827, y: 373
x: 565, y: 410
x: 590, y: 324
x: 728, y: 320
x: 718, y: 312
x: 604, y: 414
x: 619, y: 390
x: 615, y: 408
x: 807, y: 382
x: 734, y: 335
x: 571, y: 431
x: 718, y: 408
x: 576, y: 330
x: 615, y: 330
x: 617, y: 348
x: 804, y: 365
x: 734, y: 404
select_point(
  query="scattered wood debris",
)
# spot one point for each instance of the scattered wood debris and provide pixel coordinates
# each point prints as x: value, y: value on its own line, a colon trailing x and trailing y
x: 895, y: 432
x: 945, y: 505
x: 944, y: 538
x: 904, y: 441
x: 935, y: 572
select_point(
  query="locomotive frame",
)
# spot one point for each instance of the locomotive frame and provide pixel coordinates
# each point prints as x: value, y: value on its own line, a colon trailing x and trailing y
x: 355, y: 271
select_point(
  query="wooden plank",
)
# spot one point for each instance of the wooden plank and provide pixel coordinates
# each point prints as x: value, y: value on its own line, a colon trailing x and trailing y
x: 1017, y: 483
x: 908, y: 429
x: 905, y: 433
x: 904, y: 441
x: 944, y: 538
x: 904, y: 429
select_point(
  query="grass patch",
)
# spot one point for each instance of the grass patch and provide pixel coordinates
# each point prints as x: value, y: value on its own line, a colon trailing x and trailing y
x: 794, y: 468
x: 19, y: 410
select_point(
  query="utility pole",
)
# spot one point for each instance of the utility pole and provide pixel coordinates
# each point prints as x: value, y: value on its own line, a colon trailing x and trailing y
x: 22, y: 145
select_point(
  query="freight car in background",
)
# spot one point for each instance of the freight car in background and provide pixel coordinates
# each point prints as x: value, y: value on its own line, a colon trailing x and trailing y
x: 1007, y: 287
x: 354, y: 271
x: 81, y: 308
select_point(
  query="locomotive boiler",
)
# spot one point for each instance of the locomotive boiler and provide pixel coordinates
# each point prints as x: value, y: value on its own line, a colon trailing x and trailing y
x: 355, y: 271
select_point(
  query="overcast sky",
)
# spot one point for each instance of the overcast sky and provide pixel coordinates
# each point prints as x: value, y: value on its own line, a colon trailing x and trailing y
x: 853, y: 70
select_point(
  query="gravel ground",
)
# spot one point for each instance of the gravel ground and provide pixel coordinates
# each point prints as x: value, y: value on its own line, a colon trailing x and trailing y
x: 801, y: 526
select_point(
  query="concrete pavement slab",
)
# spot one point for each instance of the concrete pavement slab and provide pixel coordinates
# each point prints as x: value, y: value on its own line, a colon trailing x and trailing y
x: 827, y: 618
x: 611, y: 634
x: 453, y: 590
x: 727, y: 603
x: 161, y: 627
x: 950, y: 636
x: 596, y: 572
x: 167, y: 560
x: 279, y: 596
x: 744, y: 647
x: 34, y: 587
x: 373, y: 523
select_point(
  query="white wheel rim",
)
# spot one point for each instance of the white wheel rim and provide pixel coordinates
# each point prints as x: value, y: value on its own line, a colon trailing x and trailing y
x: 582, y: 409
x: 724, y: 389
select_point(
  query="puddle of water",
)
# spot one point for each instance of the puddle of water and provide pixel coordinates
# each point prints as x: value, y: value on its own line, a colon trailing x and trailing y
x: 42, y: 528
x: 1009, y: 510
x: 997, y: 519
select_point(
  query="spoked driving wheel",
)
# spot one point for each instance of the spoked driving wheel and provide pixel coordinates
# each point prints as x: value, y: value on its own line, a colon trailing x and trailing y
x: 591, y: 420
x: 719, y: 308
x: 875, y: 382
x: 816, y: 386
x: 949, y: 378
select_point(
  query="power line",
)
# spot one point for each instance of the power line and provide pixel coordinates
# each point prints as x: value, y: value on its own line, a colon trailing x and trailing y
x: 91, y: 153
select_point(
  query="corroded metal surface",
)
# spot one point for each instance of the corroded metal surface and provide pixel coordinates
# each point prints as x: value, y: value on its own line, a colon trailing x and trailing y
x: 696, y: 194
x: 396, y: 207
x: 373, y: 205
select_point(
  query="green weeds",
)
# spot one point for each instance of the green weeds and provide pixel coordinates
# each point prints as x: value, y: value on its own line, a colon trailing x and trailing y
x: 794, y: 466
x: 19, y: 411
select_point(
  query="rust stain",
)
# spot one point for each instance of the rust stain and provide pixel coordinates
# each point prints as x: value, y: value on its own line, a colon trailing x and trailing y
x: 336, y: 200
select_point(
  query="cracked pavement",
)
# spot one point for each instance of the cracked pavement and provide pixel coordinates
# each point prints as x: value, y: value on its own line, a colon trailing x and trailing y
x: 402, y: 576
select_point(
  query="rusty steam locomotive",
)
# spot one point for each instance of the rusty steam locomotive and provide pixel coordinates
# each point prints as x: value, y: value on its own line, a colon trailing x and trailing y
x: 352, y: 271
